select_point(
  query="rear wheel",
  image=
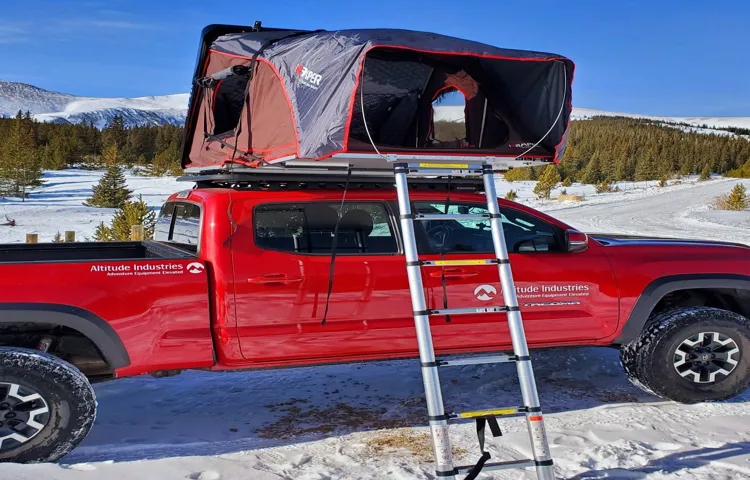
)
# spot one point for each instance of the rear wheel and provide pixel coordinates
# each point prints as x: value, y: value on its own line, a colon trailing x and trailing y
x: 691, y: 355
x: 47, y: 406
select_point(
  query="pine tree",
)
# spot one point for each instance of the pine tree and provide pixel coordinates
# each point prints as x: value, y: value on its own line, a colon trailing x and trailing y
x: 736, y: 200
x: 511, y: 195
x: 111, y: 191
x: 103, y: 233
x: 20, y: 164
x: 647, y: 167
x: 133, y: 213
x: 705, y: 173
x: 593, y: 172
x: 567, y: 182
x: 58, y: 238
x: 549, y: 179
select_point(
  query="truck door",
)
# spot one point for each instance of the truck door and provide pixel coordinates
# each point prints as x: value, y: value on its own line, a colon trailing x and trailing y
x: 563, y: 296
x: 283, y: 277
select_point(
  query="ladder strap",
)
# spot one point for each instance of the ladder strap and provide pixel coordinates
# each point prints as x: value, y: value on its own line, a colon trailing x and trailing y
x: 437, y: 418
x: 429, y: 364
x: 533, y: 409
x: 503, y: 261
x: 544, y: 463
x: 495, y: 215
x: 482, y: 422
x: 514, y: 309
x: 474, y: 472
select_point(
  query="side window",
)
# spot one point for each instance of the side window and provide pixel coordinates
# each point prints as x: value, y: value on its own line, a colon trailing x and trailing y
x: 178, y: 223
x: 364, y: 228
x: 523, y: 233
x: 164, y: 223
x: 187, y: 224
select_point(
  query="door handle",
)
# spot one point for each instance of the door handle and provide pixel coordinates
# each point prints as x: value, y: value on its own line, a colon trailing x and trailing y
x: 455, y: 273
x: 274, y: 279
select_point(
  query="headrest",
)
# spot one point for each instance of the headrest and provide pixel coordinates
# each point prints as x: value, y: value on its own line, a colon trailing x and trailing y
x: 321, y: 217
x: 356, y: 221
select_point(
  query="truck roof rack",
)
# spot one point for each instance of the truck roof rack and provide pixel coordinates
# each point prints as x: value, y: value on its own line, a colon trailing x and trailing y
x: 322, y: 178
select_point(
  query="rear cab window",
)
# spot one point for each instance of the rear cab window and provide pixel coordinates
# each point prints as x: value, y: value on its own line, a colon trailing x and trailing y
x: 308, y: 228
x: 179, y: 223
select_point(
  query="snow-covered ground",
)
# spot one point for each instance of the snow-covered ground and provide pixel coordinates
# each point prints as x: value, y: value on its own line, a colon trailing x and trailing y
x: 366, y: 421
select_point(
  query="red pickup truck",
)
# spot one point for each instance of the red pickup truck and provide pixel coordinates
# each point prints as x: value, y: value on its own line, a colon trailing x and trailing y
x: 238, y: 278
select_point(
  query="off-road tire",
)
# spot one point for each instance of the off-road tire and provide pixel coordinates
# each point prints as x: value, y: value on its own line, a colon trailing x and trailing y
x: 649, y: 361
x: 65, y: 390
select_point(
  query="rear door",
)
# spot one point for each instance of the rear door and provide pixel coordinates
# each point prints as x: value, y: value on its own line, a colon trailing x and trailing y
x: 563, y: 296
x: 286, y: 288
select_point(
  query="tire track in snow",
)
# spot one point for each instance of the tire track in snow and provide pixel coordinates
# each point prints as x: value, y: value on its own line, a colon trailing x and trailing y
x: 675, y: 213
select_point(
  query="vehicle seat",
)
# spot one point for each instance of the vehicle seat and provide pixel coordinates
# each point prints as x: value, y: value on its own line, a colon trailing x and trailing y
x: 355, y: 227
x: 321, y: 222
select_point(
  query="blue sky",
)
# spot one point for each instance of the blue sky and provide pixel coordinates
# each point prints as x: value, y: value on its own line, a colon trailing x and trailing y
x: 660, y: 57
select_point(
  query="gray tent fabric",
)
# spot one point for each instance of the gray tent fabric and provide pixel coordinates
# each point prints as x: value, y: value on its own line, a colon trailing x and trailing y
x: 322, y: 73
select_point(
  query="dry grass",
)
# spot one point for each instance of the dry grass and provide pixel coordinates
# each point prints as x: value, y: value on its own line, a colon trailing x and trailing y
x: 297, y: 421
x: 418, y: 444
x: 570, y: 197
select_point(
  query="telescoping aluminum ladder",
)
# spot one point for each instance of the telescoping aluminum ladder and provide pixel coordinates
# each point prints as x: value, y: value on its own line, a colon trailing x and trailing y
x: 438, y: 417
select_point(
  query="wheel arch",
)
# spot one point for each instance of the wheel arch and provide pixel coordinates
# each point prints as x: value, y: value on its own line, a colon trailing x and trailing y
x: 90, y: 325
x: 661, y: 287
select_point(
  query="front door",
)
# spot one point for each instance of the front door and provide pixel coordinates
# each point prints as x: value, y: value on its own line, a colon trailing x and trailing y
x: 564, y: 297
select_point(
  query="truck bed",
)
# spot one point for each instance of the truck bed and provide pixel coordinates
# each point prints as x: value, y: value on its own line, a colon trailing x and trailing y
x: 83, y: 251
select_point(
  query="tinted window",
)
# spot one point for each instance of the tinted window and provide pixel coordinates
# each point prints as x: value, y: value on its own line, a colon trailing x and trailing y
x: 187, y: 224
x: 523, y: 233
x: 164, y: 223
x: 178, y: 223
x: 364, y: 228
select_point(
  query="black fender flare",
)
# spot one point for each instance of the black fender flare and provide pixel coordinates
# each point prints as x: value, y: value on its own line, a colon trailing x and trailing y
x: 87, y: 323
x: 656, y: 290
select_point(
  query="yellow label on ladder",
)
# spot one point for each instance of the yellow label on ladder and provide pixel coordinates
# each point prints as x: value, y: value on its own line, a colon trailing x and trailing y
x: 444, y: 165
x: 442, y: 263
x: 485, y: 413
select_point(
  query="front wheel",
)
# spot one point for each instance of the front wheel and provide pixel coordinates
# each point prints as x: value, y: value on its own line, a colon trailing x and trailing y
x: 691, y: 355
x: 47, y: 406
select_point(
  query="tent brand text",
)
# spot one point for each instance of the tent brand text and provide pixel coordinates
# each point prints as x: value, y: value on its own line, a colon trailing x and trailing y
x: 308, y: 77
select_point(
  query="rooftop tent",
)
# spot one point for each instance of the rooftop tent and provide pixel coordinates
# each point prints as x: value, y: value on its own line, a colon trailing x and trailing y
x: 265, y: 96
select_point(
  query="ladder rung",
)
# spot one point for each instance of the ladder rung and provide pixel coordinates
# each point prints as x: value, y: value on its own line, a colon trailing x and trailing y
x: 498, y: 412
x: 456, y: 263
x: 465, y: 311
x: 477, y: 360
x: 452, y: 216
x: 489, y: 466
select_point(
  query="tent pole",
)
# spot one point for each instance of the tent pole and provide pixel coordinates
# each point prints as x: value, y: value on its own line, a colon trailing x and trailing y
x: 484, y: 118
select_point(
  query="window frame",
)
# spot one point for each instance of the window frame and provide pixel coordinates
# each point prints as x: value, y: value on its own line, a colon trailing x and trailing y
x: 392, y: 226
x: 173, y: 218
x: 558, y: 233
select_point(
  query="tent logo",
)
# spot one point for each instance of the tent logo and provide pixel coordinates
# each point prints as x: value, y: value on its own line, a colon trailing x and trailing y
x: 308, y: 77
x: 485, y: 293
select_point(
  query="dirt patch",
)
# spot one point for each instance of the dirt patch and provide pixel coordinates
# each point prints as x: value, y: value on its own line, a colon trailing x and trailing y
x: 418, y: 444
x: 296, y: 421
x: 615, y: 396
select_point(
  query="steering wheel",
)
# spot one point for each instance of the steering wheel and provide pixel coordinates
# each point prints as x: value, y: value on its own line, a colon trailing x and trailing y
x: 438, y: 234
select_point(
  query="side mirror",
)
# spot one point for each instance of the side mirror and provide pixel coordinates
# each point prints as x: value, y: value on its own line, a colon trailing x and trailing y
x: 576, y: 241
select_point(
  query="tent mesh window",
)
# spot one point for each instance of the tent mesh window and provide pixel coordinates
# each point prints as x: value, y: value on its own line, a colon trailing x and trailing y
x: 398, y: 89
x: 229, y: 98
x: 391, y: 88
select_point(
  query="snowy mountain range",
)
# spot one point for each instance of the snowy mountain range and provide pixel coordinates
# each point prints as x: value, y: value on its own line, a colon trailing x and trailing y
x: 49, y: 106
